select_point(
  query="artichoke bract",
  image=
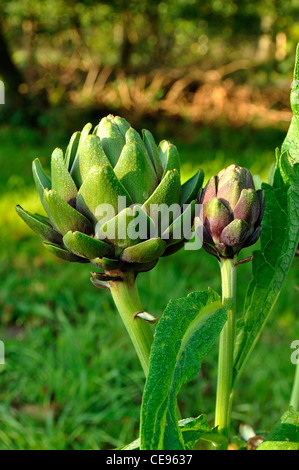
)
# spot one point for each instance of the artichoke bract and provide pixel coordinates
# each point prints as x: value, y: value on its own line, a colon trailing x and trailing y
x: 99, y: 197
x: 231, y: 213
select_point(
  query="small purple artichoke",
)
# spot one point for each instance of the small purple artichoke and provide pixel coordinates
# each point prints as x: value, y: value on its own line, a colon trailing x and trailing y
x: 232, y: 211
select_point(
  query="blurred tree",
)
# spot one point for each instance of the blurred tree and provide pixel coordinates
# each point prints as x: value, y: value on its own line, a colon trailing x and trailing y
x: 11, y: 75
x: 54, y: 45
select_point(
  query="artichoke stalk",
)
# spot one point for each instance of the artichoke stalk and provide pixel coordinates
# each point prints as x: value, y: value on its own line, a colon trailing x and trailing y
x: 96, y: 199
x: 231, y: 215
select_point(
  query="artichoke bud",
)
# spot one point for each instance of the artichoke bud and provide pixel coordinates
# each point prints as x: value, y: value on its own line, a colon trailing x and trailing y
x: 232, y: 211
x: 99, y: 198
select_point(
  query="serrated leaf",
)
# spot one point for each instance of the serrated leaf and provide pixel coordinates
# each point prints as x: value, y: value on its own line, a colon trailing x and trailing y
x: 279, y: 240
x: 184, y: 335
x: 285, y: 434
x: 193, y: 429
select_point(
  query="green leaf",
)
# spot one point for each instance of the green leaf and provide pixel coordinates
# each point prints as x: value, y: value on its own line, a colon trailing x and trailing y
x: 184, y: 335
x: 285, y: 434
x: 291, y: 142
x: 194, y: 429
x: 39, y: 225
x: 279, y: 240
x: 270, y: 265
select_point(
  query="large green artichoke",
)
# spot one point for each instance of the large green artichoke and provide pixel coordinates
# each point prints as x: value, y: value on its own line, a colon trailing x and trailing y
x: 112, y: 164
x: 232, y: 212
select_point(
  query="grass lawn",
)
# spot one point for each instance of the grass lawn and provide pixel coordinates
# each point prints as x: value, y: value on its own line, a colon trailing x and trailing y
x: 71, y: 378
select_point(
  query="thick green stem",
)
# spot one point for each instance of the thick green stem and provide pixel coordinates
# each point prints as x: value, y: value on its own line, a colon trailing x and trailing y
x: 226, y: 349
x: 294, y: 402
x: 127, y: 301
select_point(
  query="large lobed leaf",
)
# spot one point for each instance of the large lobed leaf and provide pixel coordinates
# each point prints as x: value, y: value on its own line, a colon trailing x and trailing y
x: 193, y: 429
x: 285, y: 434
x: 279, y: 238
x: 185, y: 333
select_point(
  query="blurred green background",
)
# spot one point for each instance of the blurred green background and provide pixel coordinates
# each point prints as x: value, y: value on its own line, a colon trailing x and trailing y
x: 214, y: 78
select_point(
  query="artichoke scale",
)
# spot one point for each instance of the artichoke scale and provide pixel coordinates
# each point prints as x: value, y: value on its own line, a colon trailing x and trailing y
x: 88, y: 247
x: 166, y: 194
x: 39, y: 225
x: 144, y: 252
x: 152, y: 150
x: 71, y: 150
x: 91, y: 155
x: 41, y: 179
x: 169, y: 157
x: 64, y: 217
x: 101, y: 187
x: 60, y: 252
x: 191, y: 188
x: 135, y: 171
x: 112, y: 139
x: 62, y: 182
